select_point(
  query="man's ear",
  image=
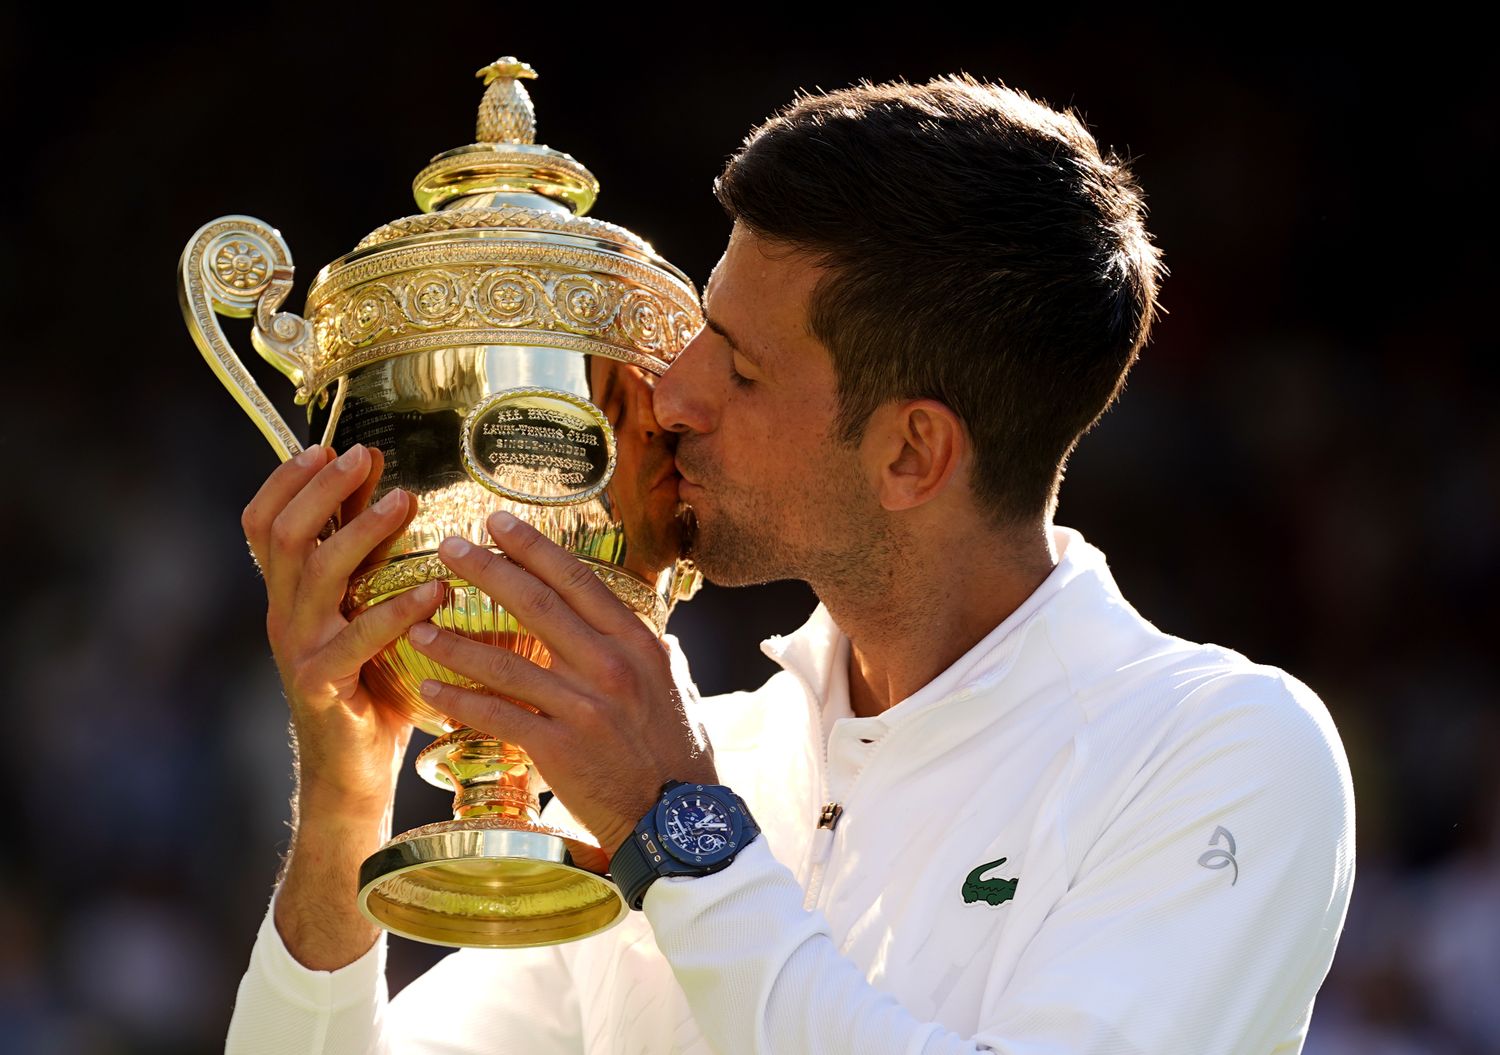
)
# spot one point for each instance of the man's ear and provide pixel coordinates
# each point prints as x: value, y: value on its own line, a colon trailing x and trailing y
x: 914, y: 449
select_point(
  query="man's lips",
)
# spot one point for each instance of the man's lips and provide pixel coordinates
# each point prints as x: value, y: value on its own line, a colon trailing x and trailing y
x: 684, y: 470
x: 686, y: 484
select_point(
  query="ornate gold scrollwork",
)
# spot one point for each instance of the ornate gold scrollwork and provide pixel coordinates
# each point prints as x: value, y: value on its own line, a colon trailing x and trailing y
x: 415, y: 298
x: 408, y: 572
x: 508, y: 216
x: 240, y: 267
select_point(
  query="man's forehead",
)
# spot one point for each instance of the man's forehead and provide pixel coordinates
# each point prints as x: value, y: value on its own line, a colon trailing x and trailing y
x: 773, y: 282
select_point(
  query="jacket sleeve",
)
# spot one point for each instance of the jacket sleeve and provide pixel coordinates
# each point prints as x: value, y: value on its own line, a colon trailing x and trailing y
x: 473, y: 1002
x: 283, y: 1006
x: 1170, y: 938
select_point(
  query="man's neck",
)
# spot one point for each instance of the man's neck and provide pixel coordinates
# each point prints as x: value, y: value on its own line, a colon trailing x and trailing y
x: 933, y: 610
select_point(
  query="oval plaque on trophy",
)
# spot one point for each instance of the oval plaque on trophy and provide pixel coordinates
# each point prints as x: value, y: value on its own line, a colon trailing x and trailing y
x: 539, y: 445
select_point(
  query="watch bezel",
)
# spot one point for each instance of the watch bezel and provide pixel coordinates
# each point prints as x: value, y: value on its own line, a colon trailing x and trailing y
x: 726, y: 799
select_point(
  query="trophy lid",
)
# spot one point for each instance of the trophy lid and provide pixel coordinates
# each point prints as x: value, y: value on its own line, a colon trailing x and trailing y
x: 502, y: 254
x: 505, y: 159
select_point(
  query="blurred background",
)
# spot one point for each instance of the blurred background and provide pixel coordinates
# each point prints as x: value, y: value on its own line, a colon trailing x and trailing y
x: 1305, y: 467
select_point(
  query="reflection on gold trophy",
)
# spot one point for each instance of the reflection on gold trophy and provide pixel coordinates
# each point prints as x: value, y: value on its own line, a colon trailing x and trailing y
x: 500, y: 350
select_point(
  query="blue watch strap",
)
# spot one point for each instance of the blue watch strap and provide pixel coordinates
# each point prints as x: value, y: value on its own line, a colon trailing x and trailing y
x: 633, y: 866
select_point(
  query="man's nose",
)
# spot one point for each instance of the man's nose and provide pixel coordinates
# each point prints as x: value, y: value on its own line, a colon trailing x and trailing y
x: 682, y: 397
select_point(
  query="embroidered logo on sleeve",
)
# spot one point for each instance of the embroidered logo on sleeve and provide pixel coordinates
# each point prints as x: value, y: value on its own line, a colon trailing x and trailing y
x: 1221, y: 858
x: 994, y: 891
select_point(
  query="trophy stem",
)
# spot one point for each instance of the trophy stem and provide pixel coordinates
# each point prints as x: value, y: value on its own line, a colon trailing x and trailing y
x: 488, y: 776
x: 495, y: 876
x: 487, y: 800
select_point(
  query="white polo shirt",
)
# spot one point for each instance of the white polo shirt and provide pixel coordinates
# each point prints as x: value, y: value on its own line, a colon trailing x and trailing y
x: 1084, y: 836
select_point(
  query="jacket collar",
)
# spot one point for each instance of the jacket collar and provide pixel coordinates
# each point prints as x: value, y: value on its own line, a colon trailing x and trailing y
x: 1081, y: 575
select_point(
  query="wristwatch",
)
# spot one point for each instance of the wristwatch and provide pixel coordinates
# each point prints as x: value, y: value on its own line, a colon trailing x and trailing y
x: 693, y: 830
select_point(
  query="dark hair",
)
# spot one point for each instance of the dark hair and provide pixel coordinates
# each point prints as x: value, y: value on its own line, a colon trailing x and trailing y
x: 982, y: 253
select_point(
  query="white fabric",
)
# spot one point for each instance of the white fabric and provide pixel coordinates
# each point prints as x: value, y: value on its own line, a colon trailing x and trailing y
x: 1104, y: 760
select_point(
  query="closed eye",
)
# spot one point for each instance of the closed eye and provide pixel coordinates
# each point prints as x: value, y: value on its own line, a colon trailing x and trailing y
x: 739, y: 379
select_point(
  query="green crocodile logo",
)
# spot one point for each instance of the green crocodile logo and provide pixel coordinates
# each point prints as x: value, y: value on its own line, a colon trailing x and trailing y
x: 995, y: 891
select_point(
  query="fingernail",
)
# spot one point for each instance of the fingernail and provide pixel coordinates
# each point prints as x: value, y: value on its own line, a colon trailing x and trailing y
x: 390, y: 502
x: 350, y: 458
x: 431, y: 688
x: 423, y: 634
x: 454, y: 547
x: 430, y: 592
x: 311, y: 456
x: 502, y: 522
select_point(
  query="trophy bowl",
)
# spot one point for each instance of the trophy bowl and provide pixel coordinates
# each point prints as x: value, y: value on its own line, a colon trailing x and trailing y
x: 500, y: 349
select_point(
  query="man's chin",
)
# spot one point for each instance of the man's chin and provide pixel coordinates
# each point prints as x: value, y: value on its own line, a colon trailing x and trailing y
x: 727, y: 563
x: 730, y: 578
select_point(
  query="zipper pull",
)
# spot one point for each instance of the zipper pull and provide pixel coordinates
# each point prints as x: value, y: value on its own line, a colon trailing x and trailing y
x: 817, y: 853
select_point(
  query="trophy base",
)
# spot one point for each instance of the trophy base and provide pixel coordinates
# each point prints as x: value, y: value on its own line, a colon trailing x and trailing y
x: 488, y: 882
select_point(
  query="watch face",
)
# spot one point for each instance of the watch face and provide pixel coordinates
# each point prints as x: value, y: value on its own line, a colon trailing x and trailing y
x: 698, y: 828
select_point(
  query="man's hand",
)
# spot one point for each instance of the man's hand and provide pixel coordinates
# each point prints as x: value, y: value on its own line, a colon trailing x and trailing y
x: 608, y: 727
x: 349, y: 747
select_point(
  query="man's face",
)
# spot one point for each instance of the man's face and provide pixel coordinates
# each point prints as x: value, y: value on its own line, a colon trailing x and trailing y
x: 753, y: 398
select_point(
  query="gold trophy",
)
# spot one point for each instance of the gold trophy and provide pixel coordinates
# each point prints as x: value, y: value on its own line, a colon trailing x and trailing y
x: 500, y: 350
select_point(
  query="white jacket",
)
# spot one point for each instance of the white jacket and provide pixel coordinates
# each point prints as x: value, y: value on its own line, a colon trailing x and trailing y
x: 1178, y: 823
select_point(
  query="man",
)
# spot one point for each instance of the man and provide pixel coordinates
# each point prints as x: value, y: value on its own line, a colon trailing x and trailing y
x: 999, y: 810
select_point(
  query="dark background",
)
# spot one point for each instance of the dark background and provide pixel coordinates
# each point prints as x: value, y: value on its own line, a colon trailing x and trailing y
x: 1304, y: 466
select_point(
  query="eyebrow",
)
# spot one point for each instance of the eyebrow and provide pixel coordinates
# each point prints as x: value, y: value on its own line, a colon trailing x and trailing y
x: 722, y: 332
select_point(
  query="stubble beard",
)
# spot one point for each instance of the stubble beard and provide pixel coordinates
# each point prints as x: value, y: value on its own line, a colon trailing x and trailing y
x: 735, y: 550
x: 745, y: 539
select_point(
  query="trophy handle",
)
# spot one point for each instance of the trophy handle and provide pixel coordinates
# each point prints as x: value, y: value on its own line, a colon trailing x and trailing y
x: 240, y: 267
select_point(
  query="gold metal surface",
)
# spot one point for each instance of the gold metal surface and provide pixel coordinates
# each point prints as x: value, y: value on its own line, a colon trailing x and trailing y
x: 500, y: 170
x: 476, y: 883
x: 500, y: 350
